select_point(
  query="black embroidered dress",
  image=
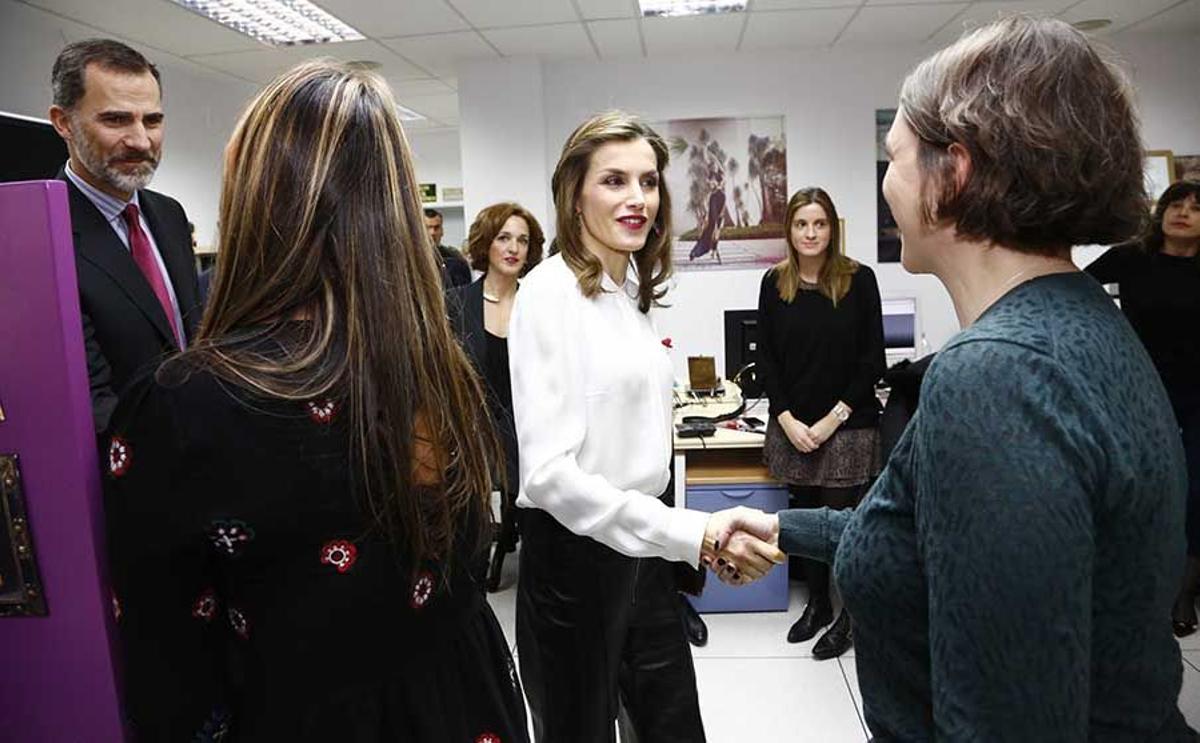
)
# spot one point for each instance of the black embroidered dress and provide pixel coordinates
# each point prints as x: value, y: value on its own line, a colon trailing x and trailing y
x: 255, y: 604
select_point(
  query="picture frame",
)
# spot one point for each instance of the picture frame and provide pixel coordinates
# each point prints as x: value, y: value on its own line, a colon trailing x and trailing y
x: 1159, y: 173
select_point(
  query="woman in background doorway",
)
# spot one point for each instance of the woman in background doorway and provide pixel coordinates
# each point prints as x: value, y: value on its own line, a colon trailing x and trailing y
x: 504, y: 242
x: 821, y: 349
x: 1159, y: 278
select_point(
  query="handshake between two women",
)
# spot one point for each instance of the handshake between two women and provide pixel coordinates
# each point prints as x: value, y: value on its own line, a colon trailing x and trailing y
x: 741, y: 545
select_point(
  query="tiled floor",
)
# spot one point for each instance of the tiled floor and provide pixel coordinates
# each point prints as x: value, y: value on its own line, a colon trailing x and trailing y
x: 755, y: 687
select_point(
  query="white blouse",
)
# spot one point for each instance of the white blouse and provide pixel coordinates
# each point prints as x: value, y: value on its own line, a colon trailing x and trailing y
x: 591, y: 390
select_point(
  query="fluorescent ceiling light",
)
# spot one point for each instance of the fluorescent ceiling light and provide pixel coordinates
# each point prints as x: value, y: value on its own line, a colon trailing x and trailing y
x: 275, y: 22
x: 669, y: 8
x: 407, y: 114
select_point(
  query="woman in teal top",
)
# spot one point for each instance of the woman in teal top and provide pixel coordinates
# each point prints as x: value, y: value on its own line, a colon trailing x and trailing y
x: 1011, y: 573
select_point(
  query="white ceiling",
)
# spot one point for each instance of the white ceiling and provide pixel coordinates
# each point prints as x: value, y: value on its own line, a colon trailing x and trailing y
x: 419, y: 43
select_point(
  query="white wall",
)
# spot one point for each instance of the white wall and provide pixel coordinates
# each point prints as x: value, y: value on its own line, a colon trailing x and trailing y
x: 828, y: 98
x: 437, y: 159
x: 201, y: 107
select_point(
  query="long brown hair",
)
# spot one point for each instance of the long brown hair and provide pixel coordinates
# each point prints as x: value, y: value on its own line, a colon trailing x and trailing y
x: 833, y: 281
x: 319, y: 219
x: 653, y: 260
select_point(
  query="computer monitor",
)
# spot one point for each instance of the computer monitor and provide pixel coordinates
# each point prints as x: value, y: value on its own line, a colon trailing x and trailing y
x: 741, y: 349
x: 899, y: 329
x: 33, y: 151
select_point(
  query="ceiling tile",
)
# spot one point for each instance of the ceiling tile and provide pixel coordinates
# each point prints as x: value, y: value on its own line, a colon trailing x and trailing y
x: 761, y: 5
x: 616, y: 38
x: 405, y: 88
x: 561, y: 40
x: 795, y: 28
x: 920, y: 2
x: 1122, y: 13
x: 1182, y: 19
x: 593, y: 9
x: 897, y: 24
x: 712, y: 33
x: 264, y: 64
x: 496, y: 14
x: 397, y: 18
x: 440, y: 54
x: 160, y: 25
x: 434, y: 106
x: 982, y: 13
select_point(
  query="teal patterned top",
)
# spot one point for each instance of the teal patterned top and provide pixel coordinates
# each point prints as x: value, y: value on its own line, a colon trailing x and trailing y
x: 1011, y: 573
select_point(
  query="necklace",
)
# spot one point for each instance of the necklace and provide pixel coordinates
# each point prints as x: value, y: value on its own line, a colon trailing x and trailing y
x: 489, y: 297
x: 1012, y: 281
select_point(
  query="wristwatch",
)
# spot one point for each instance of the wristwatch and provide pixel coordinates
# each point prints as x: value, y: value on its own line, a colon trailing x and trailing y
x: 841, y: 412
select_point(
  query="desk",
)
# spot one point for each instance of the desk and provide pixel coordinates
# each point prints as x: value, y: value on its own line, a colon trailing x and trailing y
x: 729, y: 457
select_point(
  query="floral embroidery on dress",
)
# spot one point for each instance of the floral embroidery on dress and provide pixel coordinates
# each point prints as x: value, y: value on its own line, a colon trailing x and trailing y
x: 340, y: 554
x: 422, y: 590
x: 230, y: 536
x: 205, y: 605
x: 322, y: 412
x: 240, y: 624
x: 216, y: 727
x: 488, y: 738
x: 119, y: 456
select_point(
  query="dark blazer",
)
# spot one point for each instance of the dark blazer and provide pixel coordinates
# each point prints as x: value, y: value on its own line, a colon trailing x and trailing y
x: 124, y: 326
x: 464, y: 304
x: 456, y: 271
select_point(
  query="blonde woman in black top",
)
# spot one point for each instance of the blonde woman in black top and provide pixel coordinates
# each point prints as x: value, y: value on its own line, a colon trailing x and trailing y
x: 822, y: 352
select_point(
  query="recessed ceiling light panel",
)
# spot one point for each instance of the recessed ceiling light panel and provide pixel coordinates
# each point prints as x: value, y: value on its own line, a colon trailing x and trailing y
x: 407, y: 114
x: 275, y: 22
x: 1093, y: 24
x: 672, y: 8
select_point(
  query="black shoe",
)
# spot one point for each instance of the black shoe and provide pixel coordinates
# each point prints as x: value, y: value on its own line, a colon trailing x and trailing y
x: 1183, y: 616
x: 836, y: 640
x: 816, y: 615
x: 693, y: 625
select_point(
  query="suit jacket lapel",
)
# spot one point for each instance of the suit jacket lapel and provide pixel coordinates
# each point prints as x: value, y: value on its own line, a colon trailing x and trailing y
x: 98, y: 244
x: 473, y: 322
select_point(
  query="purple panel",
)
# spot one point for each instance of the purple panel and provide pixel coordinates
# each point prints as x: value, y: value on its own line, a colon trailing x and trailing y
x: 57, y: 681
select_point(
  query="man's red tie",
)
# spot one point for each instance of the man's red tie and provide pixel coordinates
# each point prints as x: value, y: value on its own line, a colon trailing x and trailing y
x: 143, y: 256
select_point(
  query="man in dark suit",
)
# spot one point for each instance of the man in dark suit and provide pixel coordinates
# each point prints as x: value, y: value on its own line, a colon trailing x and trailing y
x: 455, y: 269
x: 138, y: 291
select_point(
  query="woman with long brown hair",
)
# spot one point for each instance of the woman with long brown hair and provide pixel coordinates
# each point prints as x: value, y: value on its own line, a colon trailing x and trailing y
x: 821, y: 352
x: 596, y: 617
x: 295, y: 501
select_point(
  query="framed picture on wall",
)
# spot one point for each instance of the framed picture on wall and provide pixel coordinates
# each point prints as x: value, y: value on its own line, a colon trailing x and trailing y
x: 728, y: 182
x: 1160, y: 173
x: 1187, y: 167
x: 887, y: 233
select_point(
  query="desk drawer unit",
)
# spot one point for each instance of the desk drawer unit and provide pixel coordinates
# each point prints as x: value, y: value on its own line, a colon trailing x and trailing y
x: 771, y: 592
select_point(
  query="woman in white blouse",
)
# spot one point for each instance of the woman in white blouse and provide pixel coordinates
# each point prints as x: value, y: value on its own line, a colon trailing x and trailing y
x: 591, y: 383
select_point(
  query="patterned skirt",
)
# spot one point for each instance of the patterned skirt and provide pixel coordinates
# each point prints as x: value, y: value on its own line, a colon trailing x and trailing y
x: 850, y: 457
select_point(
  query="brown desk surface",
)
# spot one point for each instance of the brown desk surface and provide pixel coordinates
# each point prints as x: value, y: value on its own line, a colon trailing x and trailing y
x: 725, y: 467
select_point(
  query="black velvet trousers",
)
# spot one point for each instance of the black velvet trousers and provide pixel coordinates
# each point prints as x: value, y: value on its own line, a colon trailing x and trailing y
x: 597, y: 629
